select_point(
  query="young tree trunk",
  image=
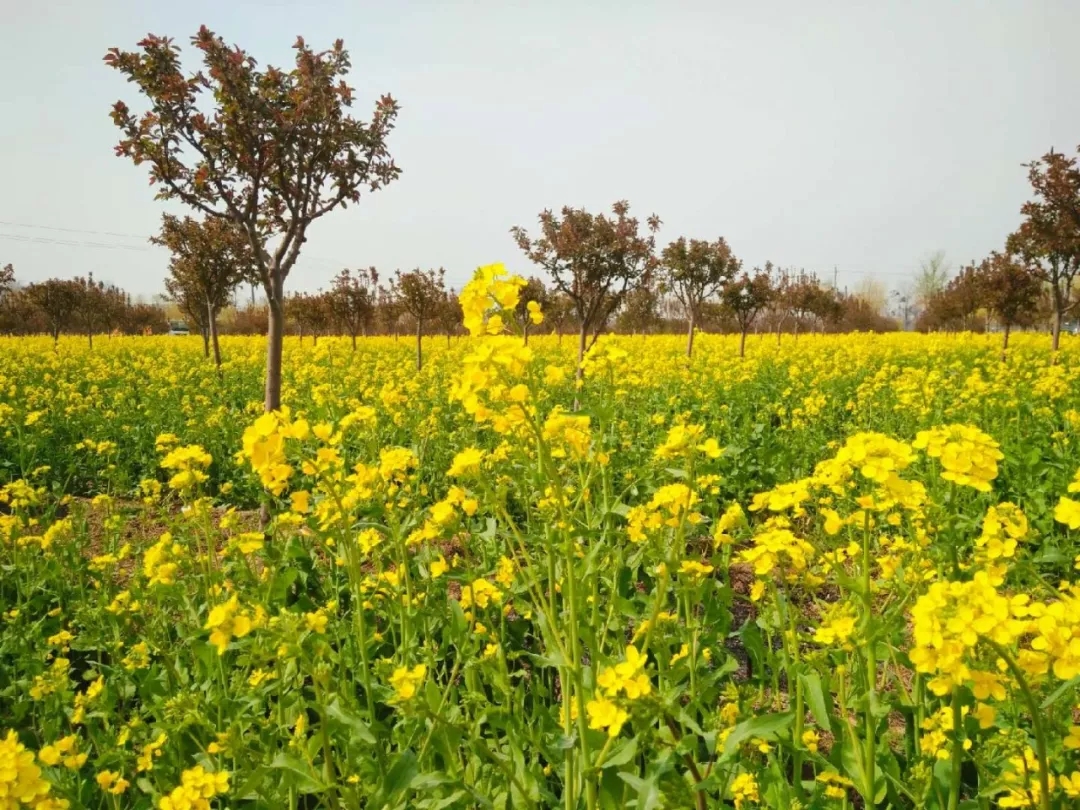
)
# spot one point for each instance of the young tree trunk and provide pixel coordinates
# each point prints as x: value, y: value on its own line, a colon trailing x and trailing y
x: 1005, y: 343
x: 560, y: 336
x: 690, y: 335
x: 742, y: 343
x: 525, y: 332
x: 214, y: 335
x: 314, y: 337
x: 205, y: 342
x: 354, y: 341
x: 580, y: 353
x: 448, y: 339
x: 90, y: 337
x: 56, y: 337
x: 419, y: 344
x: 275, y: 334
x: 1055, y: 327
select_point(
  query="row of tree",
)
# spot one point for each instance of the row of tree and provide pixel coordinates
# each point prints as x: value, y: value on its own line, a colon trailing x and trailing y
x: 73, y: 305
x: 1031, y: 280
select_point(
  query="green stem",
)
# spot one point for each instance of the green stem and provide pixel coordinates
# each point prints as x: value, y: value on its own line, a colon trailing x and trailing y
x: 1036, y: 722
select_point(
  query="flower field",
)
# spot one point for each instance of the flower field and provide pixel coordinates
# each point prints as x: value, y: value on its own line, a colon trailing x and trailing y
x: 838, y: 572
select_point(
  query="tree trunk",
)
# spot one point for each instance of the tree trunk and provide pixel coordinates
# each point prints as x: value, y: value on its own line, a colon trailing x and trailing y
x: 690, y: 336
x: 275, y: 334
x: 1005, y: 343
x: 419, y: 344
x: 448, y: 339
x: 525, y: 332
x: 205, y: 342
x: 314, y: 337
x: 580, y: 353
x: 90, y: 337
x: 213, y: 335
x: 56, y: 337
x: 354, y: 341
x: 1055, y: 326
x: 560, y: 336
x: 742, y: 343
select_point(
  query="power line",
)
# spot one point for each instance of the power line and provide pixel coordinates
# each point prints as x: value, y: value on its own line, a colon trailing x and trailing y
x: 71, y: 230
x: 42, y: 240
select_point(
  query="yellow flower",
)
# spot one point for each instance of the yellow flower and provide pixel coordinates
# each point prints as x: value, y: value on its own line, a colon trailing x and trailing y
x: 112, y: 782
x: 438, y: 567
x: 197, y: 787
x: 226, y: 622
x: 405, y: 681
x: 604, y: 714
x: 466, y: 463
x: 1067, y: 511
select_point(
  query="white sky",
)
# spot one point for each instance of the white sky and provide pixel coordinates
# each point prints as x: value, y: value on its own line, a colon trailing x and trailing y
x: 855, y: 135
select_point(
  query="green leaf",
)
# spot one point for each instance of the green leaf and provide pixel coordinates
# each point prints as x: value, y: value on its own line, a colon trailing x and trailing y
x: 623, y: 753
x: 297, y: 773
x: 351, y: 720
x: 765, y: 726
x: 815, y: 698
x: 401, y: 774
x: 248, y: 791
x: 647, y: 791
x: 1053, y: 697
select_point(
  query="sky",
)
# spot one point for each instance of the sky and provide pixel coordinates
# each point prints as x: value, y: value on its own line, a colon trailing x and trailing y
x: 841, y: 137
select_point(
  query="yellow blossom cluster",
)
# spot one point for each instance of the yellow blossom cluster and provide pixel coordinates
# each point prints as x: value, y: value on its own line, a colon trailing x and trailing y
x: 196, y: 789
x: 669, y: 506
x: 968, y: 456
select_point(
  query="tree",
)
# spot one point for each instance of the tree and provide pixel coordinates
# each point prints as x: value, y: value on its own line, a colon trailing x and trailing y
x: 352, y: 301
x: 534, y: 291
x: 421, y: 294
x: 1010, y: 290
x: 794, y: 296
x: 312, y: 313
x: 277, y: 150
x: 448, y: 314
x: 56, y: 299
x: 1049, y: 238
x: 931, y: 278
x: 560, y: 313
x: 210, y: 259
x: 745, y: 297
x: 594, y: 260
x: 696, y: 271
x: 7, y: 281
x: 640, y: 311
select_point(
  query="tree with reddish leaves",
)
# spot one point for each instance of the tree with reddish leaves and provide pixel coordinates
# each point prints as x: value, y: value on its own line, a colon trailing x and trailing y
x: 276, y: 150
x: 56, y: 299
x: 534, y: 291
x: 210, y: 259
x: 797, y: 296
x: 747, y: 296
x: 640, y: 311
x: 352, y: 301
x: 1010, y: 290
x: 593, y: 259
x: 421, y: 294
x: 1049, y: 238
x: 696, y: 271
x: 448, y: 315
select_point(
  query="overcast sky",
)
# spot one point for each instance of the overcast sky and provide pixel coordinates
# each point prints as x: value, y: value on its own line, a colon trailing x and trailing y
x: 853, y: 135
